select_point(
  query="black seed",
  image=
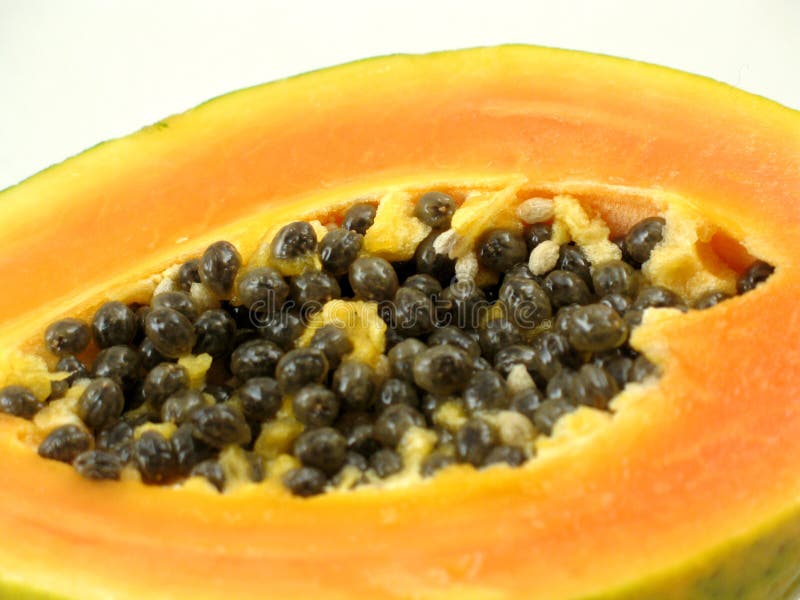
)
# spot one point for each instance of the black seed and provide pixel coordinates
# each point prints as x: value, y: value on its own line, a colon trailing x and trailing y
x: 386, y: 462
x: 615, y: 277
x: 256, y: 358
x: 496, y: 334
x: 324, y: 449
x: 120, y: 363
x: 552, y: 351
x: 525, y: 303
x: 402, y: 356
x: 219, y: 266
x: 536, y: 234
x: 305, y: 481
x: 430, y: 404
x: 354, y: 384
x: 282, y: 329
x: 359, y: 217
x: 334, y: 343
x: 293, y: 241
x: 435, y: 209
x: 754, y: 275
x: 187, y: 449
x: 442, y: 369
x: 114, y: 324
x: 563, y: 319
x: 155, y: 458
x: 462, y: 304
x: 338, y: 249
x: 301, y: 367
x: 260, y: 398
x: 643, y: 237
x: 596, y: 328
x: 220, y: 425
x: 619, y: 368
x: 565, y: 287
x: 220, y: 393
x: 397, y: 391
x: 354, y: 459
x: 163, y: 381
x: 549, y: 412
x: 98, y: 464
x: 263, y: 289
x: 212, y: 471
x: 657, y: 297
x: 101, y: 403
x: 181, y: 405
x: 394, y: 421
x: 710, y: 299
x: 521, y: 270
x: 373, y: 278
x: 526, y: 402
x: 149, y: 357
x: 172, y: 333
x: 449, y: 334
x: 392, y: 338
x: 413, y: 312
x: 485, y: 389
x: 67, y: 336
x: 633, y: 317
x: 501, y: 249
x: 474, y: 439
x: 188, y: 274
x: 65, y: 443
x: 315, y: 406
x: 593, y: 386
x: 118, y: 439
x: 573, y: 260
x: 426, y: 284
x: 359, y: 430
x: 560, y: 386
x: 481, y: 364
x: 436, y: 461
x: 618, y: 302
x: 510, y: 455
x: 73, y: 366
x: 214, y: 332
x: 179, y: 301
x: 430, y: 262
x: 311, y: 290
x: 642, y: 368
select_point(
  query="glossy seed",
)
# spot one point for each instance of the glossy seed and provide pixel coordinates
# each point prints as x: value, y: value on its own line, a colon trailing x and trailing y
x: 754, y: 275
x: 67, y: 336
x: 264, y: 290
x: 189, y: 273
x: 334, y: 343
x: 572, y: 260
x: 354, y: 384
x: 359, y: 217
x: 549, y: 412
x: 402, y: 357
x: 386, y: 462
x: 220, y: 425
x: 65, y: 443
x: 178, y: 301
x: 397, y: 391
x: 98, y: 465
x: 181, y: 405
x: 454, y: 336
x: 212, y: 471
x: 373, y: 278
x: 429, y: 262
x: 120, y: 363
x: 413, y: 312
x: 435, y: 462
x: 101, y: 403
x: 435, y: 209
x: 338, y: 249
x: 324, y: 449
x: 485, y: 390
x: 509, y: 455
x: 215, y: 331
x: 463, y: 305
x: 19, y: 401
x: 497, y: 334
x: 155, y: 459
x: 474, y: 440
x: 525, y: 303
x: 218, y: 267
x: 256, y: 358
x: 596, y: 328
x: 614, y: 277
x: 260, y: 398
x: 163, y: 381
x: 710, y: 299
x: 442, y: 369
x: 282, y: 329
x: 501, y: 249
x: 394, y: 421
x: 301, y: 367
x: 171, y: 333
x: 526, y: 402
x: 565, y: 288
x: 426, y: 284
x: 536, y: 234
x: 310, y: 291
x: 114, y: 324
x: 305, y: 481
x: 315, y: 406
x: 643, y: 237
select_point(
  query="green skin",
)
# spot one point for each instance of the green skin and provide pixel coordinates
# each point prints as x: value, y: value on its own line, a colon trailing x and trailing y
x: 763, y: 564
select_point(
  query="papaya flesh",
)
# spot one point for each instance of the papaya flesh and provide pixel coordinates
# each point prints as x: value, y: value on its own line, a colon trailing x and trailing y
x: 689, y: 490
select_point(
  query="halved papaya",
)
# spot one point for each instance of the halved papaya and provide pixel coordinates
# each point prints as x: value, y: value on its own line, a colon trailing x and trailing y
x: 689, y: 490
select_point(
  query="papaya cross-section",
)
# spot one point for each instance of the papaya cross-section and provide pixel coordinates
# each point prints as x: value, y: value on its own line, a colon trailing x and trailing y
x: 691, y: 488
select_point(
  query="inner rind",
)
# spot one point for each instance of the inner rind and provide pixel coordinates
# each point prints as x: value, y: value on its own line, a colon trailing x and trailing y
x: 685, y: 262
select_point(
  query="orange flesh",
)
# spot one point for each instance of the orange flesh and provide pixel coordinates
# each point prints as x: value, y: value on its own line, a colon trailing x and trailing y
x: 697, y: 460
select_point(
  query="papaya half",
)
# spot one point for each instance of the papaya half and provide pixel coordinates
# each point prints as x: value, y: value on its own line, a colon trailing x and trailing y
x: 689, y: 488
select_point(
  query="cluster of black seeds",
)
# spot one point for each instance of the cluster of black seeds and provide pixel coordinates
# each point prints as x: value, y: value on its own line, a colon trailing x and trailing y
x: 447, y: 341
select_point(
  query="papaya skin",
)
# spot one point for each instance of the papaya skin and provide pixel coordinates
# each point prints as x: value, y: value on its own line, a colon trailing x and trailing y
x: 690, y: 490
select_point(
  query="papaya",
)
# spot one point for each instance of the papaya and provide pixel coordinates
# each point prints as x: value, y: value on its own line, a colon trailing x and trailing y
x: 640, y: 216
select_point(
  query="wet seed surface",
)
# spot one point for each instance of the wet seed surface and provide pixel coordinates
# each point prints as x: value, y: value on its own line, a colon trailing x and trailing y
x: 481, y: 366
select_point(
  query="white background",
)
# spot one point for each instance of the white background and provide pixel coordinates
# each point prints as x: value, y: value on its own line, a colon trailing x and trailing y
x: 74, y: 73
